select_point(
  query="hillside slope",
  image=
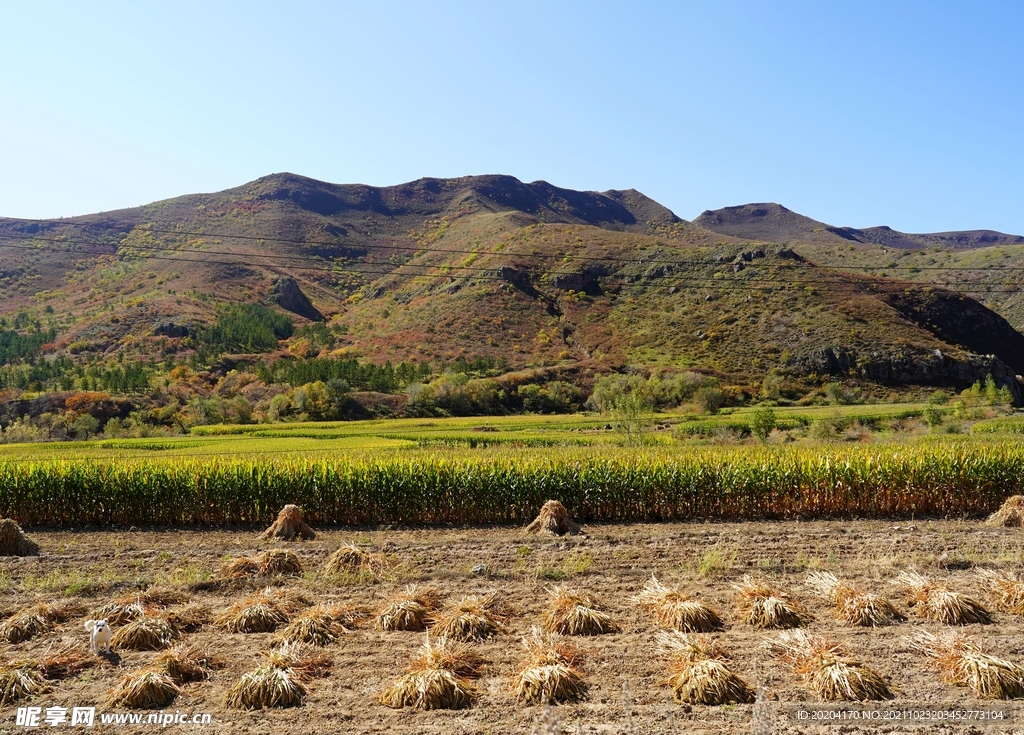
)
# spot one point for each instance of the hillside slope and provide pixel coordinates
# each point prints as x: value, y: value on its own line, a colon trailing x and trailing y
x: 530, y: 274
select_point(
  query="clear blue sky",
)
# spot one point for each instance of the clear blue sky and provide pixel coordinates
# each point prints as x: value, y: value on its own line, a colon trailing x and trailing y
x: 908, y: 114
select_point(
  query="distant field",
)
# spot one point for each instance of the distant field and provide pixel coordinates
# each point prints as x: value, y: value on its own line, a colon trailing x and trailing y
x: 499, y: 470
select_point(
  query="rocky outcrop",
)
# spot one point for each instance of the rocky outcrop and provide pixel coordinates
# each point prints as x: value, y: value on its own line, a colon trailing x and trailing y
x: 909, y: 366
x: 289, y: 296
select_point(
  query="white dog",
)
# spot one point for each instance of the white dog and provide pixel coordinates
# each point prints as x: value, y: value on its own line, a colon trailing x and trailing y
x: 99, y: 635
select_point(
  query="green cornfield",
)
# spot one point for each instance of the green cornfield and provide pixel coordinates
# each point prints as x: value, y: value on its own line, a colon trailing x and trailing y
x: 597, y: 485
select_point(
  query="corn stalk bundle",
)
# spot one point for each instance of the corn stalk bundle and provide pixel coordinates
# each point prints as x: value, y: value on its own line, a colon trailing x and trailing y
x: 551, y: 673
x: 699, y: 670
x: 147, y: 689
x: 553, y: 519
x: 13, y: 542
x: 289, y: 525
x: 472, y: 618
x: 963, y: 662
x: 410, y: 609
x: 762, y: 606
x: 1010, y: 513
x: 439, y: 676
x: 572, y: 612
x: 853, y: 605
x: 672, y: 608
x: 827, y: 670
x: 935, y: 601
x: 1007, y: 591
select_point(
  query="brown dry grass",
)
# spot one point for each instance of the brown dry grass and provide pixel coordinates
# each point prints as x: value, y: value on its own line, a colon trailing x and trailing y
x: 762, y: 606
x: 935, y: 601
x: 137, y: 605
x: 827, y: 670
x: 553, y: 519
x: 289, y: 525
x: 672, y: 608
x: 964, y: 662
x: 574, y: 612
x: 265, y: 687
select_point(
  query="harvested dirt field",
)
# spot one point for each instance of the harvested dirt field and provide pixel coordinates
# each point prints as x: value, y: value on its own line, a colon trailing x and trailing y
x: 612, y: 563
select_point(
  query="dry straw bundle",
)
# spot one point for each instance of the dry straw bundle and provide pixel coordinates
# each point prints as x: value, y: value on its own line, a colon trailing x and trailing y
x: 410, y: 609
x: 320, y: 625
x: 281, y: 682
x: 1010, y: 514
x: 574, y: 612
x: 350, y: 559
x: 144, y: 634
x: 827, y: 670
x: 472, y: 618
x: 552, y: 672
x: 553, y: 519
x: 260, y: 613
x: 439, y: 677
x: 853, y: 605
x: 965, y: 663
x: 13, y: 541
x: 289, y: 525
x: 935, y: 601
x: 188, y: 618
x: 137, y: 605
x: 762, y: 606
x: 20, y: 679
x: 671, y: 608
x: 36, y: 620
x: 699, y: 671
x: 1007, y: 591
x: 185, y: 662
x: 271, y: 563
x: 146, y: 689
x: 67, y: 660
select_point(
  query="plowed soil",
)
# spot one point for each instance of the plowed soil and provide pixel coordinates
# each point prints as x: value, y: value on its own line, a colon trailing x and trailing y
x: 611, y: 562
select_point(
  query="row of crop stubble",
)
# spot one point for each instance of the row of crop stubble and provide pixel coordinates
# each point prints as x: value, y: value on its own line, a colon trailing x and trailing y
x: 437, y: 488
